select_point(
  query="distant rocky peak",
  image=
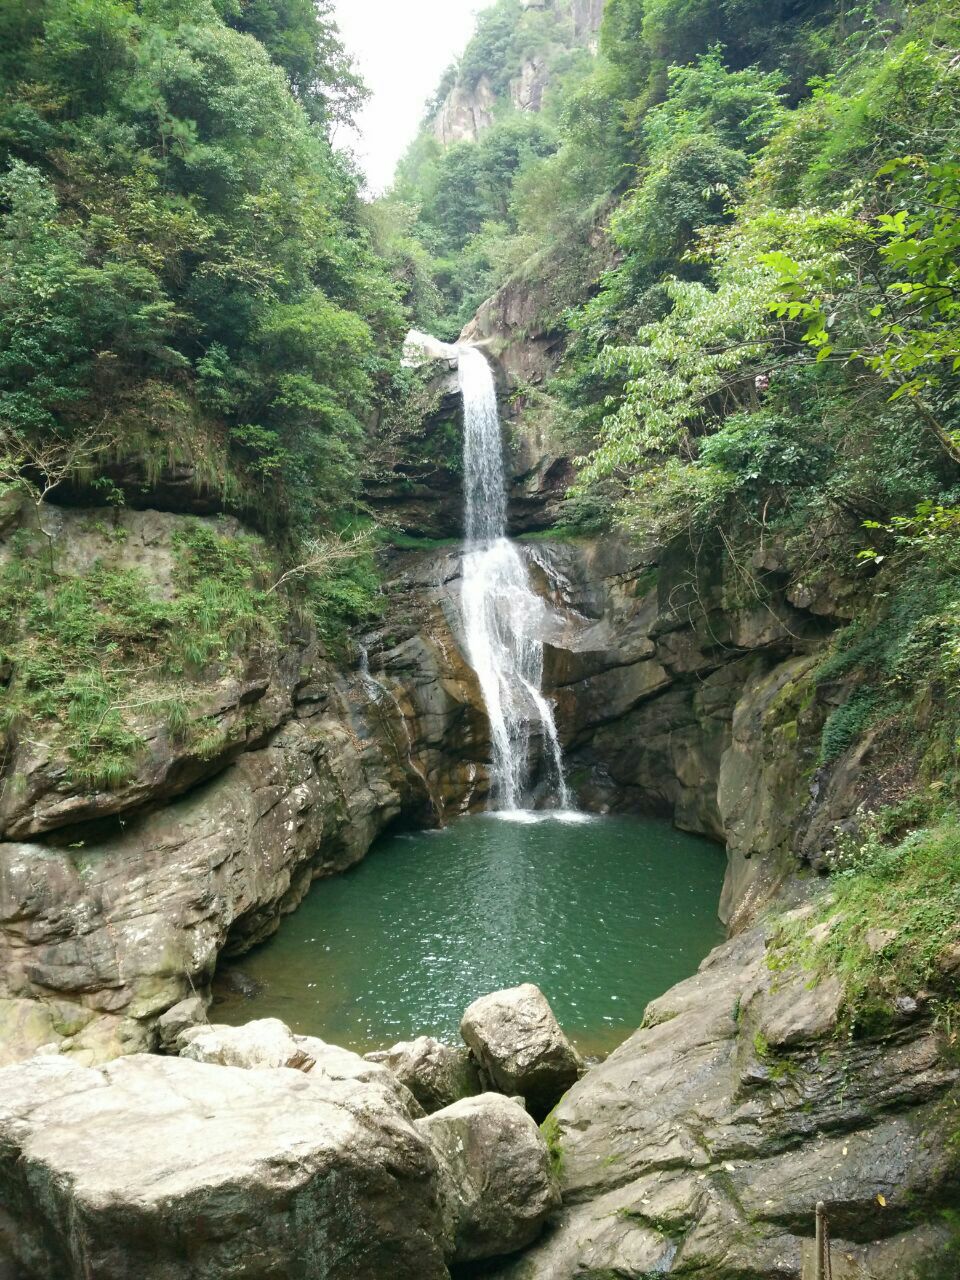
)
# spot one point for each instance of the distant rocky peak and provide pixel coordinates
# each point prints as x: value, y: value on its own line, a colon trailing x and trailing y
x: 468, y: 108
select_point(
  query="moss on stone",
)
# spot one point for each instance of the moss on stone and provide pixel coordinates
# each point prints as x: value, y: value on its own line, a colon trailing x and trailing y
x: 552, y: 1136
x: 908, y: 890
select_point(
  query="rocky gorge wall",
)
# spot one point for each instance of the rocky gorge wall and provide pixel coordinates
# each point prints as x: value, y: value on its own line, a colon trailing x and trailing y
x: 682, y: 687
x: 117, y: 900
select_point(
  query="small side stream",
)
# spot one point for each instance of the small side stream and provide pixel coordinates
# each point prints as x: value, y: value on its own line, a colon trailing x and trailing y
x: 603, y: 913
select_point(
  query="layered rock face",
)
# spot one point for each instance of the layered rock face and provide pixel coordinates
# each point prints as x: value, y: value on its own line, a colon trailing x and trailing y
x: 465, y: 113
x: 468, y: 110
x: 703, y: 1144
x: 679, y: 692
x: 116, y: 902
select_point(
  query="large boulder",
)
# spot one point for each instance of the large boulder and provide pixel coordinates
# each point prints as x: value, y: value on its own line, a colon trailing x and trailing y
x: 168, y: 1169
x: 499, y: 1183
x: 519, y: 1044
x: 436, y: 1074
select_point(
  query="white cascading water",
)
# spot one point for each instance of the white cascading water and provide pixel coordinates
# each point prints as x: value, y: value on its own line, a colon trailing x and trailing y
x: 505, y: 621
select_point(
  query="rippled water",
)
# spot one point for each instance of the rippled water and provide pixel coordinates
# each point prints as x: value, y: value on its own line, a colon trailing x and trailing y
x: 602, y: 913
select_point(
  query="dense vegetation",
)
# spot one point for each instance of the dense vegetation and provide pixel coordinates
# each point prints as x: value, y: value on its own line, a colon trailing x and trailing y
x: 184, y: 270
x: 186, y: 288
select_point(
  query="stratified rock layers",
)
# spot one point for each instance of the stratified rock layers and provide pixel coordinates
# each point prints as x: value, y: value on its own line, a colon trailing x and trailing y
x: 115, y: 903
x: 703, y: 1144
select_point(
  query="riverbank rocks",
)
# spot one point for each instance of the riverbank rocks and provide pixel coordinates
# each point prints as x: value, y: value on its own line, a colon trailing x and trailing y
x: 702, y: 1145
x: 519, y: 1044
x: 185, y: 1016
x: 502, y: 1190
x: 269, y: 1043
x: 437, y: 1074
x: 169, y: 1169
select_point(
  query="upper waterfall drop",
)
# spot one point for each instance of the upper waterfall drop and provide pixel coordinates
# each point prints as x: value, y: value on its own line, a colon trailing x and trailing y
x: 505, y: 621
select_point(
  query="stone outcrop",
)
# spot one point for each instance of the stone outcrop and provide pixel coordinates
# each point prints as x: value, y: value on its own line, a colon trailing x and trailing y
x: 527, y: 88
x: 499, y: 1180
x: 587, y: 16
x: 466, y: 112
x: 413, y: 478
x: 257, y: 1153
x: 116, y: 903
x: 703, y: 1144
x: 239, y: 708
x: 518, y: 1042
x: 679, y: 691
x: 122, y: 927
x: 438, y: 1075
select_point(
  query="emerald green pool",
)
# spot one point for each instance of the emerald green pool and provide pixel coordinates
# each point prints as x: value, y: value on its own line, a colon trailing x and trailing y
x: 602, y: 913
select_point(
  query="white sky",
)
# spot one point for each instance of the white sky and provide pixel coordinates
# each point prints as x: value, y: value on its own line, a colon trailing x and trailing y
x: 402, y: 48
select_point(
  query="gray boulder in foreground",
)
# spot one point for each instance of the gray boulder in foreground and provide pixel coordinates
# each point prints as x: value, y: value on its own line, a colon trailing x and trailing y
x: 499, y: 1180
x: 168, y: 1169
x: 437, y: 1074
x: 256, y: 1154
x: 519, y: 1044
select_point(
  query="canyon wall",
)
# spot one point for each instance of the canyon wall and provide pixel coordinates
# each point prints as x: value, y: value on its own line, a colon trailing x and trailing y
x: 685, y: 685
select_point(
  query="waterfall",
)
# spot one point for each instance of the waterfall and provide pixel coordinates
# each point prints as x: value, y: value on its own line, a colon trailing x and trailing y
x: 505, y: 621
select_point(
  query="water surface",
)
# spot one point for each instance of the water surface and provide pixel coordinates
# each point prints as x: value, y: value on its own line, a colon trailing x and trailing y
x: 602, y: 913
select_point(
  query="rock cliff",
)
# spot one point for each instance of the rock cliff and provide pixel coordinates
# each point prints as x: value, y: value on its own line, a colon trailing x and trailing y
x: 117, y: 900
x: 469, y: 108
x: 683, y: 685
